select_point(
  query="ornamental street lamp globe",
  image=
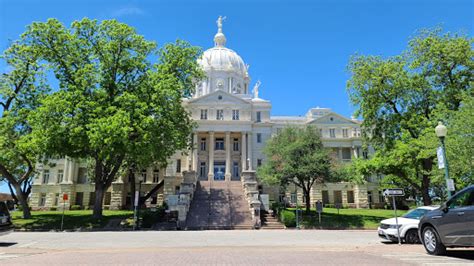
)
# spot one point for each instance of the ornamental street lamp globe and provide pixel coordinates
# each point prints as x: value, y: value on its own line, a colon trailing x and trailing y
x: 441, y: 130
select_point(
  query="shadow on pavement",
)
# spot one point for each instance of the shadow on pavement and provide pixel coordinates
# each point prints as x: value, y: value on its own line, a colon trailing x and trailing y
x: 7, y: 244
x: 461, y: 254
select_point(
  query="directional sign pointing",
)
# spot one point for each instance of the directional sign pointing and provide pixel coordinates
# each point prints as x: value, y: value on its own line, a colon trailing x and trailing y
x: 394, y: 192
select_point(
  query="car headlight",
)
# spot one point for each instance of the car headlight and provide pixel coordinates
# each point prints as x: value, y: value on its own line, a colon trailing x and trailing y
x: 394, y: 226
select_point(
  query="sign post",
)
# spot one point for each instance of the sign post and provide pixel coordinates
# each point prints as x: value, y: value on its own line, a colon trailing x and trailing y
x: 135, y: 218
x: 319, y: 209
x: 65, y: 197
x: 395, y: 192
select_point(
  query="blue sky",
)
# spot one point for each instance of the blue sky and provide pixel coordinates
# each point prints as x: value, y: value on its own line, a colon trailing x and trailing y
x: 298, y: 49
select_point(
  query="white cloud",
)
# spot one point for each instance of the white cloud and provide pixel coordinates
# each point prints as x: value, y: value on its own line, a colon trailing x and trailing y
x: 126, y: 11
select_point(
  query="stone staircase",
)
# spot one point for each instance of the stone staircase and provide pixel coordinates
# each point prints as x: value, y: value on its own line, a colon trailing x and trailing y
x: 219, y: 205
x: 270, y: 222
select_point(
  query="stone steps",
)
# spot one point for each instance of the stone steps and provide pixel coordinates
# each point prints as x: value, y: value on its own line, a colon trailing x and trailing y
x: 219, y: 206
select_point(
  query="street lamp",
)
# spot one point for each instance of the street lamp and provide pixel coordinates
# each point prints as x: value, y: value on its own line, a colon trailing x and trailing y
x: 137, y: 202
x: 441, y: 132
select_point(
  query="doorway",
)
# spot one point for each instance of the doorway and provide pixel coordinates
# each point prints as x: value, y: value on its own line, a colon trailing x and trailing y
x: 219, y: 171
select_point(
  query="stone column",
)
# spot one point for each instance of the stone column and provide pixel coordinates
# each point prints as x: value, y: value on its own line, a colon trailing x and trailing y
x: 70, y: 174
x: 67, y: 164
x: 211, y: 156
x: 228, y: 164
x: 195, y: 152
x: 250, y: 157
x: 243, y: 144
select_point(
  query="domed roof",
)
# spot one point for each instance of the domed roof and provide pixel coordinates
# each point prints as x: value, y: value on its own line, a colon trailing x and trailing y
x: 220, y: 57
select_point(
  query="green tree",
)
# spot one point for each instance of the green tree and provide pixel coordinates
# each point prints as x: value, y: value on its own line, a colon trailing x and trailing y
x: 398, y: 97
x: 113, y: 105
x: 20, y: 92
x: 297, y: 156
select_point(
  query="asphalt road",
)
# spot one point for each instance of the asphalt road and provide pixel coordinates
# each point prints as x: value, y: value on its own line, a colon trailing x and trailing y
x: 247, y: 247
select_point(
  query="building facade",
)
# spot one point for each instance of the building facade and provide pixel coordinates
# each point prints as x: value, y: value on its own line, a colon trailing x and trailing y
x: 234, y: 124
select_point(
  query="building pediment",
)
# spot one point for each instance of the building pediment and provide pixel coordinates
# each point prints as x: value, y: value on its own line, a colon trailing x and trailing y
x: 332, y: 119
x: 218, y: 97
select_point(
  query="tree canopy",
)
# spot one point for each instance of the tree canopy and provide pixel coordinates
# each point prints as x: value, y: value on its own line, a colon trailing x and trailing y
x: 400, y: 98
x: 296, y: 156
x: 113, y: 105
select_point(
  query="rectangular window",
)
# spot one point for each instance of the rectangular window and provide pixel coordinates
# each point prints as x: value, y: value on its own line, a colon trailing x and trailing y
x: 202, y: 169
x: 178, y: 166
x: 235, y: 169
x: 350, y: 196
x: 293, y: 198
x: 219, y: 114
x: 332, y: 132
x: 346, y: 154
x: 235, y: 115
x: 79, y: 198
x: 259, y: 116
x: 143, y: 175
x: 236, y: 144
x: 203, y: 144
x: 203, y: 114
x: 56, y: 199
x: 156, y: 176
x: 325, y: 195
x: 337, y: 196
x: 345, y: 133
x: 82, y: 175
x: 91, y: 198
x: 365, y: 154
x: 60, y: 175
x: 259, y: 137
x: 45, y: 176
x: 219, y: 144
x: 259, y: 162
x: 108, y: 198
x: 42, y: 200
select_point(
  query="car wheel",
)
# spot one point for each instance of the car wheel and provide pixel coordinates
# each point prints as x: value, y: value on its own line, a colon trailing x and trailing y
x: 432, y: 242
x: 411, y: 237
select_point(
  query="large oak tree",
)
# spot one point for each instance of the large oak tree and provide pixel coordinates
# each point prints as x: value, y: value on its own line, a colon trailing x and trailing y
x: 399, y: 98
x: 113, y: 105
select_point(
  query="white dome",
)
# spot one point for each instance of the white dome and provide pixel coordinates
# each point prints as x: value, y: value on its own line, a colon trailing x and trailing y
x: 222, y: 58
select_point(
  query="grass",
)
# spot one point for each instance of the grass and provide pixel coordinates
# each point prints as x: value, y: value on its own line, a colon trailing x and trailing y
x: 73, y: 220
x: 347, y: 218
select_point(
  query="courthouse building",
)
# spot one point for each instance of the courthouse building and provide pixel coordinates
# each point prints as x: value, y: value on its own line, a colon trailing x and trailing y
x: 234, y: 124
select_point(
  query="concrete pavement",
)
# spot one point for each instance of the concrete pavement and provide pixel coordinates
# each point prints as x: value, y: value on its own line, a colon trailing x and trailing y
x: 245, y: 247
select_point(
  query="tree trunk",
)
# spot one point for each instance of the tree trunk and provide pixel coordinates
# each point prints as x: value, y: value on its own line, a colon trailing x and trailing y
x: 22, y: 198
x: 99, y: 199
x: 307, y: 201
x: 425, y: 183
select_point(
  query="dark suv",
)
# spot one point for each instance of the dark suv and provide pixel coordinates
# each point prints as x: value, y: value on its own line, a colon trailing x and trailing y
x: 6, y: 225
x: 451, y: 225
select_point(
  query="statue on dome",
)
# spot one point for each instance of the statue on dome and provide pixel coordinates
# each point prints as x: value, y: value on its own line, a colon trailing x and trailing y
x: 219, y: 23
x: 255, y: 89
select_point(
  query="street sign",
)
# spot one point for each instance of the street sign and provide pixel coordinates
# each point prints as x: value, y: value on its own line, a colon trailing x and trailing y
x: 451, y: 185
x: 394, y: 192
x: 440, y: 154
x: 319, y: 209
x: 65, y: 196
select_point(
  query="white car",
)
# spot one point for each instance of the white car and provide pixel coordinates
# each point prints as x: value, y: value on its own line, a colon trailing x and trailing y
x: 408, y: 226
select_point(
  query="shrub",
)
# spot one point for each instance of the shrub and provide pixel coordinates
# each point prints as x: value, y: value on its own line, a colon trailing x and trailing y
x: 53, y: 208
x: 288, y: 218
x: 75, y: 207
x: 149, y: 218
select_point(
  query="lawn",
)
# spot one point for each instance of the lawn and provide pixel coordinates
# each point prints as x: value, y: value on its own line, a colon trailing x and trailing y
x: 347, y: 218
x: 73, y: 220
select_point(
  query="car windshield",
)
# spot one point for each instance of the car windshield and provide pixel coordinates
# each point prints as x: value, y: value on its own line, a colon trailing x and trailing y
x: 416, y: 213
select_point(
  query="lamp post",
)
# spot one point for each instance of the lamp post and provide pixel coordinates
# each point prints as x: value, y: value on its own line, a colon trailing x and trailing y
x: 296, y: 203
x: 441, y: 132
x: 137, y: 202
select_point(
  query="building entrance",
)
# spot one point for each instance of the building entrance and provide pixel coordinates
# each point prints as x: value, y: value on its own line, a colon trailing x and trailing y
x: 219, y: 171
